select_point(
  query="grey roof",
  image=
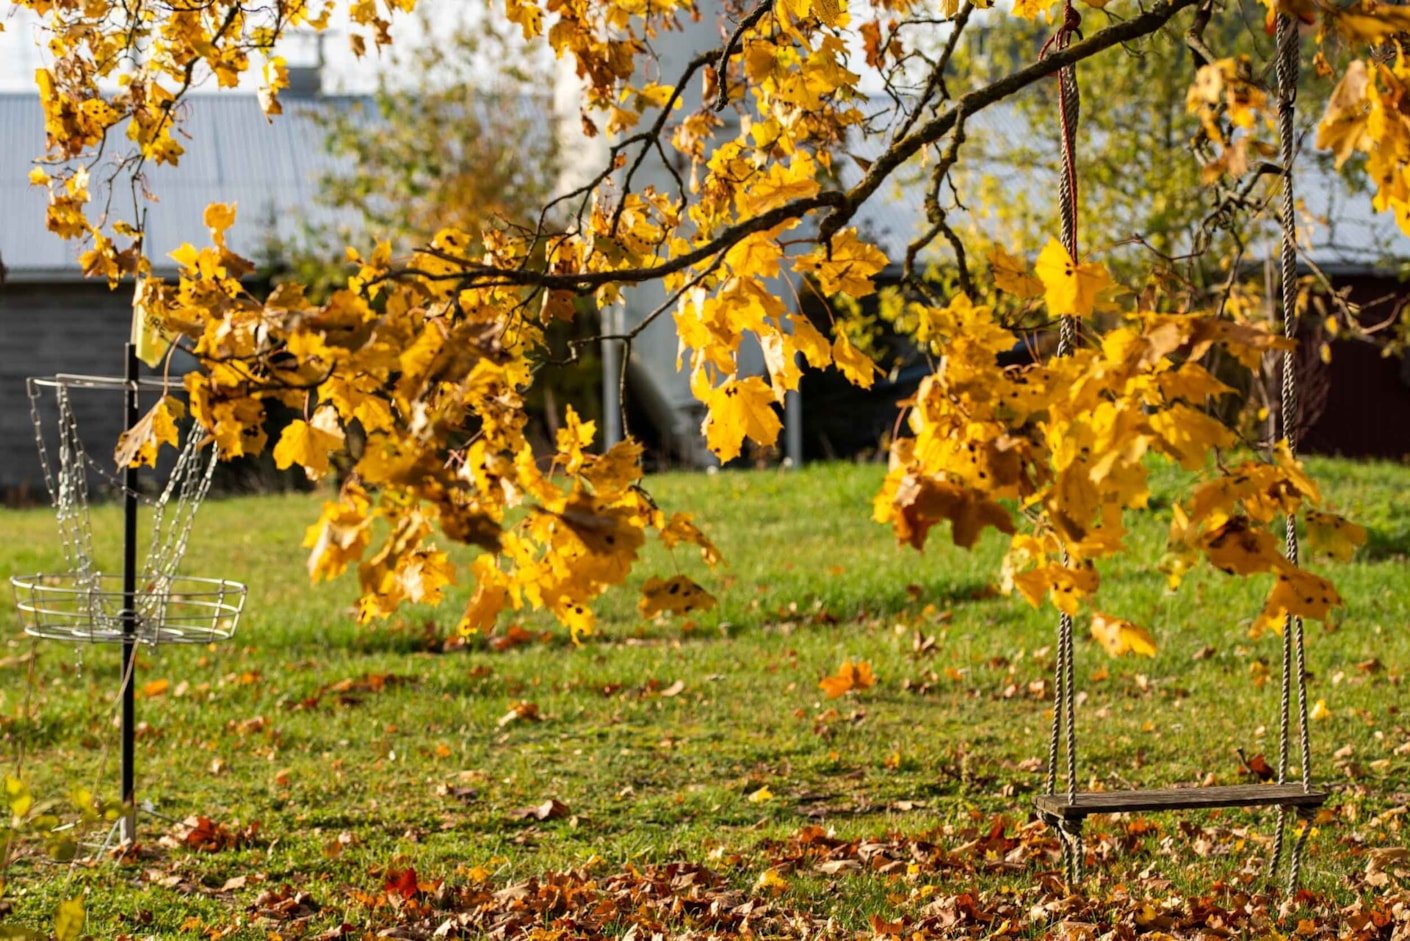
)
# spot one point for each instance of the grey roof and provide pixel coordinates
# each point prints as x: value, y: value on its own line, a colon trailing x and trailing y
x: 233, y: 154
x: 271, y: 170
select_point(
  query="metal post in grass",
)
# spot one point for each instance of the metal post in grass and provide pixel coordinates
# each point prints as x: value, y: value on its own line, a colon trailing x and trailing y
x: 129, y: 605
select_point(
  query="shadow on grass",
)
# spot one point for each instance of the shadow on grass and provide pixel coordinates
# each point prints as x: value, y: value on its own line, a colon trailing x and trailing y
x: 1385, y: 544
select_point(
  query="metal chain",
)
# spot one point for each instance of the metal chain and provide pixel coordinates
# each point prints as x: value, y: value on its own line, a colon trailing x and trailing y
x: 188, y: 483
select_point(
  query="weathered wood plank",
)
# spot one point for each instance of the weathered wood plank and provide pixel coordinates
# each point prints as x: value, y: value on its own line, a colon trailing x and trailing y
x: 1180, y: 798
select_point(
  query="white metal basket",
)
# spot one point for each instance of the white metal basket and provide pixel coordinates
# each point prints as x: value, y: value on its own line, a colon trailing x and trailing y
x: 181, y: 609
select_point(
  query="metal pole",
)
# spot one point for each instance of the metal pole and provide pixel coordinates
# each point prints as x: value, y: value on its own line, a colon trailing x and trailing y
x: 793, y: 426
x: 611, y: 378
x: 129, y: 608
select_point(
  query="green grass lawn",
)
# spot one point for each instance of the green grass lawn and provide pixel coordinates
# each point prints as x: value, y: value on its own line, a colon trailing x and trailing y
x: 366, y: 750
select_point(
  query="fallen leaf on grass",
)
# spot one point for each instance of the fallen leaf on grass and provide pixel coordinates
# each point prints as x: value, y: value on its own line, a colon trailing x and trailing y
x: 551, y: 809
x: 770, y: 879
x: 352, y: 691
x: 334, y: 848
x: 850, y: 676
x: 515, y: 636
x: 284, y: 904
x: 1259, y: 767
x: 207, y: 836
x: 520, y: 710
x: 402, y: 884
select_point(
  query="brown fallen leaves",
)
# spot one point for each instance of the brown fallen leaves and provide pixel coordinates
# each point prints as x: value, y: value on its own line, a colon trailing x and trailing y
x: 353, y: 690
x: 207, y: 836
x: 932, y: 885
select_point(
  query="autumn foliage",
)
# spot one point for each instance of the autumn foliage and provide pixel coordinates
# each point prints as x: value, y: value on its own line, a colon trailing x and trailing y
x: 430, y: 354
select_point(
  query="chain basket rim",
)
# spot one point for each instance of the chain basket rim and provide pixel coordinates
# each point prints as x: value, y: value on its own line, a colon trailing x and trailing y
x: 88, y: 608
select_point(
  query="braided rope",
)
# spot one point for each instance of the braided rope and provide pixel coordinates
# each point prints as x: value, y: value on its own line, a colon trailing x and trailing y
x: 1064, y: 723
x: 1294, y: 655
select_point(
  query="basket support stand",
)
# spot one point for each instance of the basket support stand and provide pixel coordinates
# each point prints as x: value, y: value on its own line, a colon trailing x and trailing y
x: 128, y: 824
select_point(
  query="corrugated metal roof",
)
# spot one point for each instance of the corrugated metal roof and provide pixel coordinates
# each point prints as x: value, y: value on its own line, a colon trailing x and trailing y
x: 233, y: 154
x: 271, y: 169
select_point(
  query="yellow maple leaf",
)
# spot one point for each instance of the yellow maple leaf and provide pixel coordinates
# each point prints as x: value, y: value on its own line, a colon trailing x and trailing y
x: 770, y: 879
x: 1011, y: 274
x: 677, y: 595
x: 738, y: 409
x: 139, y: 445
x: 1066, y: 585
x: 1367, y: 21
x: 1343, y: 128
x: 1297, y: 593
x: 1333, y: 535
x: 1069, y: 289
x: 488, y: 599
x: 219, y: 217
x: 779, y: 185
x: 812, y: 344
x: 576, y: 616
x: 921, y: 502
x: 1121, y: 637
x: 340, y: 537
x: 852, y: 362
x: 849, y: 676
x: 573, y: 437
x: 1239, y: 548
x: 423, y: 574
x: 1030, y: 9
x: 681, y: 528
x: 306, y: 445
x: 845, y: 266
x: 1188, y: 435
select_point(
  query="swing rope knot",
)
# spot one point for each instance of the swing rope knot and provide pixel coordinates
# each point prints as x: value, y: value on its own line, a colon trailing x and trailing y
x: 1061, y: 38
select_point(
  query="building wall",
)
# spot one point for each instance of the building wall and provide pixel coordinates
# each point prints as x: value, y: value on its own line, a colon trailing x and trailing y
x: 1363, y: 398
x: 47, y: 328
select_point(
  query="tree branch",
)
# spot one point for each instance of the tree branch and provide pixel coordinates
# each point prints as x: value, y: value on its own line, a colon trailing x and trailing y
x: 908, y: 146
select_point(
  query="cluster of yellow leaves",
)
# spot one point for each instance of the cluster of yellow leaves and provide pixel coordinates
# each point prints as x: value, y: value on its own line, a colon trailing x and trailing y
x: 433, y: 381
x: 91, y: 89
x: 1364, y: 113
x: 1227, y: 520
x: 1063, y: 445
x: 1369, y: 113
x: 1232, y: 108
x: 431, y: 373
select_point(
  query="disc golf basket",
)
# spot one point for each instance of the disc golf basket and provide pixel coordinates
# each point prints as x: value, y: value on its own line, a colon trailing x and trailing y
x: 148, y: 602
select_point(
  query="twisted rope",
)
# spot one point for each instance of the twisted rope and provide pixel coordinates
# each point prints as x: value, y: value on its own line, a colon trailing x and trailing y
x: 1294, y: 656
x: 1064, y: 708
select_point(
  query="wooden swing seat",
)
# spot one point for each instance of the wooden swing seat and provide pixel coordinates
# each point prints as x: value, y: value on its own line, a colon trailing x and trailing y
x: 1086, y: 803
